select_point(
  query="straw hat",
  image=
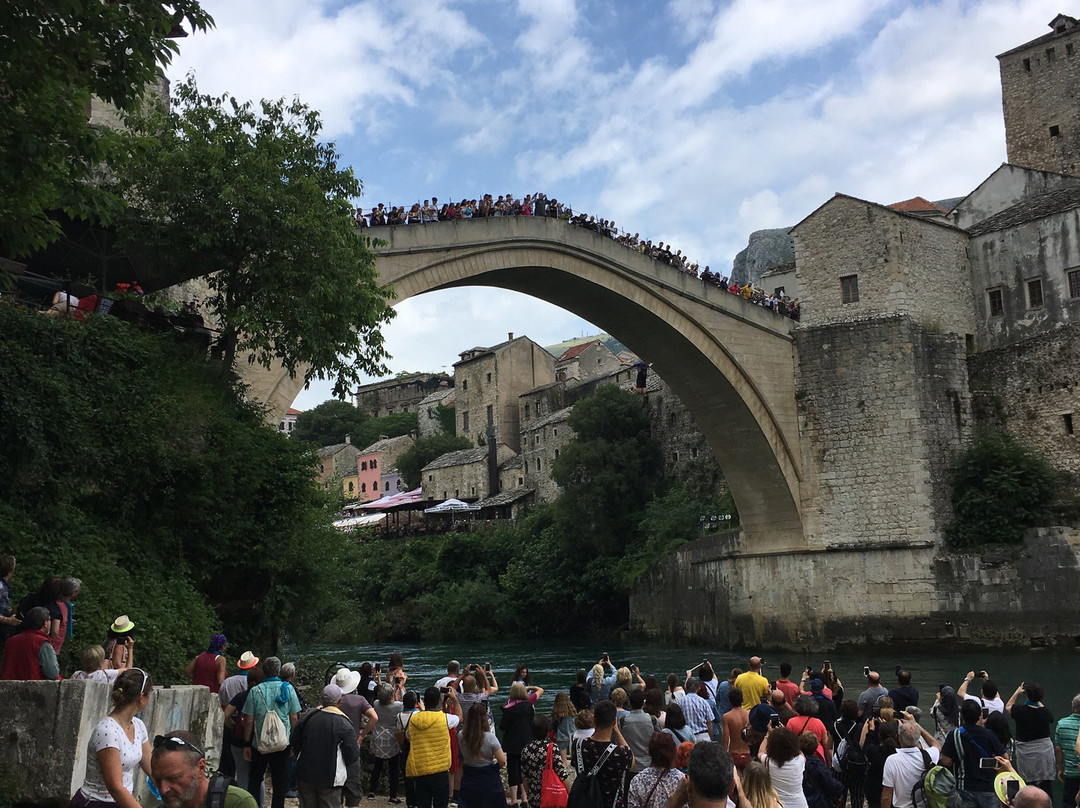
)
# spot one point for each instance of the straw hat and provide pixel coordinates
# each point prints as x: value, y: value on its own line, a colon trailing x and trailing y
x: 347, y: 680
x: 247, y: 661
x: 122, y: 624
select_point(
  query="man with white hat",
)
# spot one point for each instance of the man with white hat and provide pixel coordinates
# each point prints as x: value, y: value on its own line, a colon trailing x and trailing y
x: 355, y: 707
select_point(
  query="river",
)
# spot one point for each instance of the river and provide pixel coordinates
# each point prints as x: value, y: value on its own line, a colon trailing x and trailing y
x: 553, y: 662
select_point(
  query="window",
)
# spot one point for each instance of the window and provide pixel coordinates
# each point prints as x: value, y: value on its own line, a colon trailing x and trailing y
x: 1027, y: 65
x: 281, y: 426
x: 386, y: 486
x: 1035, y: 293
x: 464, y: 384
x: 363, y: 465
x: 555, y: 430
x: 521, y: 481
x: 489, y: 378
x: 1055, y: 131
x: 1069, y: 49
x: 527, y: 416
x: 1067, y: 417
x: 1051, y: 56
x: 363, y: 488
x: 465, y: 422
x: 556, y: 452
x: 849, y: 289
x: 490, y: 414
x: 997, y: 306
x: 538, y: 464
x: 352, y: 487
x: 693, y: 453
x: 374, y: 462
x: 430, y: 477
x: 1074, y: 283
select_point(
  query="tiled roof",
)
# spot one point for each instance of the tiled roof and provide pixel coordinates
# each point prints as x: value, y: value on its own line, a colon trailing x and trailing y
x: 461, y: 457
x: 505, y: 497
x: 387, y: 443
x: 574, y: 351
x: 1029, y: 210
x: 333, y: 449
x: 511, y: 463
x: 551, y: 418
x: 437, y: 396
x: 918, y: 205
x: 291, y: 411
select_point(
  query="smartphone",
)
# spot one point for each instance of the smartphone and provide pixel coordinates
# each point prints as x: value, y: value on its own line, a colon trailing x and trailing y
x: 378, y: 667
x: 866, y: 670
x: 487, y: 667
x: 985, y: 713
x: 445, y: 690
x: 1012, y: 787
x: 774, y: 721
x: 988, y: 763
x: 827, y: 665
x: 397, y: 680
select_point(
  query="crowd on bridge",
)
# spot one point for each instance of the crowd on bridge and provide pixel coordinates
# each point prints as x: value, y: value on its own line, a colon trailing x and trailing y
x: 430, y: 211
x: 613, y: 735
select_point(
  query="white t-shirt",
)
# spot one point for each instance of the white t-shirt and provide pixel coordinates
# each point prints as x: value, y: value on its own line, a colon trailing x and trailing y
x: 903, y: 770
x: 993, y: 705
x: 108, y: 677
x: 109, y: 734
x: 787, y: 780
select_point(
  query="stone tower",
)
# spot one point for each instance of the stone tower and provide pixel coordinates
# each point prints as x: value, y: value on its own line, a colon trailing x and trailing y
x: 1040, y: 95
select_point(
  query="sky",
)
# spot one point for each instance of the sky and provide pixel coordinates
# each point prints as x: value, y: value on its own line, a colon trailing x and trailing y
x: 693, y: 122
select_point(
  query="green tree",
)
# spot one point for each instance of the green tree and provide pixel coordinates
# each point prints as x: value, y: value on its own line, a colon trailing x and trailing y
x: 54, y: 58
x: 330, y: 422
x: 609, y: 472
x: 424, y: 451
x: 128, y: 463
x: 999, y: 489
x: 252, y: 199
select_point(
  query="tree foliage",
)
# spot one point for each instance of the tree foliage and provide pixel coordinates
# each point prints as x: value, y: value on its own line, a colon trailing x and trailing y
x: 54, y: 58
x: 129, y: 464
x: 424, y: 451
x: 250, y: 195
x: 1000, y: 488
x: 332, y: 420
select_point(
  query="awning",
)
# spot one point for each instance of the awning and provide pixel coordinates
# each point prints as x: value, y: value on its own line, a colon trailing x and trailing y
x: 452, y: 506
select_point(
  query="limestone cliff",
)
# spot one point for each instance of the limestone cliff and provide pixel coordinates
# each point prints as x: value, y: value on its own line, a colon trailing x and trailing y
x: 765, y: 247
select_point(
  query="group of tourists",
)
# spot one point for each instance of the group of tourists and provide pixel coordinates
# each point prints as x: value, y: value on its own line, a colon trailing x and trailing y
x: 616, y: 736
x: 430, y: 211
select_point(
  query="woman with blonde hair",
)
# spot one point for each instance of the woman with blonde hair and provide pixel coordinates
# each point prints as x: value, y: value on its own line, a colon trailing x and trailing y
x: 118, y: 745
x: 757, y: 787
x: 93, y: 666
x: 562, y: 719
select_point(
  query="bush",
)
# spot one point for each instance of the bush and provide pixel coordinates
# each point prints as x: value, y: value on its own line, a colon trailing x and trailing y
x: 999, y: 489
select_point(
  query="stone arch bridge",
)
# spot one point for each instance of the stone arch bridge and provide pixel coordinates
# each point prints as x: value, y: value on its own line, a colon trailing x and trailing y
x: 731, y: 363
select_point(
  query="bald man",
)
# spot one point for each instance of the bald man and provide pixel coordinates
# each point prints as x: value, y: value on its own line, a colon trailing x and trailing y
x: 752, y: 683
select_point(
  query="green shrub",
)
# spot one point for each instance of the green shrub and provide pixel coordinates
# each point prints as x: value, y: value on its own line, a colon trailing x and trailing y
x: 999, y: 489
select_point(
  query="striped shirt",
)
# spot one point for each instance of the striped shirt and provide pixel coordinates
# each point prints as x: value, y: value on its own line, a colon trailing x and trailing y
x: 1065, y: 737
x: 697, y: 712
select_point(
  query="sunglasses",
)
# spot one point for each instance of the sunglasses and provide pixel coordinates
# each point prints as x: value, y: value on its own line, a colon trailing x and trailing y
x: 145, y: 679
x: 170, y: 743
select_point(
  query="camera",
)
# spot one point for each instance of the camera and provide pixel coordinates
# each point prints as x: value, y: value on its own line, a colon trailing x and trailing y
x: 988, y: 763
x: 444, y: 690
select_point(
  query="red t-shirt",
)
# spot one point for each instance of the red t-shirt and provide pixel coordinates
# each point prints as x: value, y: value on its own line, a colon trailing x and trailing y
x: 789, y: 689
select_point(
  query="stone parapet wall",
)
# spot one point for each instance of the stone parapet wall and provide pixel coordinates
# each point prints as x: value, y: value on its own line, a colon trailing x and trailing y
x: 45, y: 729
x: 714, y: 592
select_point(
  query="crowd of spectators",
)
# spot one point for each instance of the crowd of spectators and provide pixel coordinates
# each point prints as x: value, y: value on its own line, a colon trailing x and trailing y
x: 430, y: 211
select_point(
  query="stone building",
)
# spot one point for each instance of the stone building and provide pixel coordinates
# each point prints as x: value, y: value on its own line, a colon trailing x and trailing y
x: 337, y: 461
x: 465, y: 474
x: 1038, y: 86
x: 488, y: 383
x: 376, y: 467
x: 586, y: 361
x: 542, y: 439
x: 400, y: 394
x: 427, y: 412
x: 287, y: 424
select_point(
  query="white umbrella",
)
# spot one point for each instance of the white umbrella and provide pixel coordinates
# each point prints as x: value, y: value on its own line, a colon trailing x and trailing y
x: 452, y: 506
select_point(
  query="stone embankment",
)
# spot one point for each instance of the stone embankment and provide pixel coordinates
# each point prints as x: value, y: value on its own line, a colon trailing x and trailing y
x: 45, y: 728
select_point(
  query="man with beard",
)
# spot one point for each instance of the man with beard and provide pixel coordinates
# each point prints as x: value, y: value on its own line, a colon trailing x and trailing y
x: 179, y: 771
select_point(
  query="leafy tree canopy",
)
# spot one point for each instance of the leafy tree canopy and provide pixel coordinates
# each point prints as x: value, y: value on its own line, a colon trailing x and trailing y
x: 55, y: 57
x: 250, y: 196
x: 332, y: 420
x: 424, y: 451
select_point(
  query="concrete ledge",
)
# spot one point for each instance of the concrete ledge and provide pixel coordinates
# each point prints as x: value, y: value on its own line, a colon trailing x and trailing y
x: 45, y: 729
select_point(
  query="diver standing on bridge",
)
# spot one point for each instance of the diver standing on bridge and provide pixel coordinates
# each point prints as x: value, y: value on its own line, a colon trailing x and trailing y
x: 642, y: 375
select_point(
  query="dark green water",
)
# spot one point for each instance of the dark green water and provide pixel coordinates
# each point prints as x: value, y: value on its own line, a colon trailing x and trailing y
x: 554, y: 662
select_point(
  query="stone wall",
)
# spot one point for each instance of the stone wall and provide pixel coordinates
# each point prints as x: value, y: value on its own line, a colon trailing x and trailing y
x: 903, y: 265
x: 711, y: 591
x: 1007, y: 260
x: 1032, y: 390
x: 1038, y: 91
x: 883, y: 406
x: 45, y: 728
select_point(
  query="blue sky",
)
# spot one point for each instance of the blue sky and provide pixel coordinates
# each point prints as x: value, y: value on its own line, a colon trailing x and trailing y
x: 693, y: 122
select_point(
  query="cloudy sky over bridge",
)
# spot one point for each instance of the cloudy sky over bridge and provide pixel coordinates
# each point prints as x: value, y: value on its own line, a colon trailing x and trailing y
x: 693, y: 122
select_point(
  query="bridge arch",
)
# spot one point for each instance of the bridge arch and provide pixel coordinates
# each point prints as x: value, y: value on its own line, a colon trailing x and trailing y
x: 730, y: 363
